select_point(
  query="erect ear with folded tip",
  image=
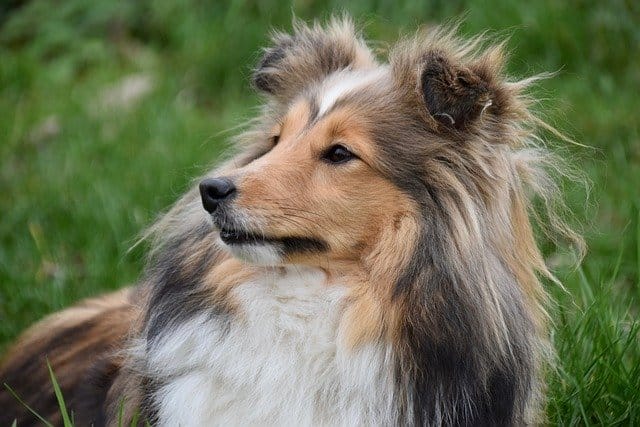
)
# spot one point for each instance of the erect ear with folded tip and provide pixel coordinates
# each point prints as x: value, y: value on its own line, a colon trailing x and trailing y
x: 295, y: 61
x: 455, y: 96
x: 265, y: 76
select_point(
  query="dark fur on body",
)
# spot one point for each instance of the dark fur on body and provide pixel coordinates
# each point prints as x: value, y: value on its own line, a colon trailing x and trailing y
x: 81, y: 345
x: 463, y: 303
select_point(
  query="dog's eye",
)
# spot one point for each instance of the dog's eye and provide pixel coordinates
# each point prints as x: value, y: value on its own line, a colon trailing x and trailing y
x: 338, y: 154
x: 275, y: 139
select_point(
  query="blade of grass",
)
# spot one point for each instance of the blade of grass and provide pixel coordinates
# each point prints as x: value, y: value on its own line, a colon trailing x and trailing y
x: 56, y: 388
x: 134, y: 420
x: 638, y: 246
x: 120, y: 412
x: 616, y: 269
x: 23, y: 403
x: 585, y: 286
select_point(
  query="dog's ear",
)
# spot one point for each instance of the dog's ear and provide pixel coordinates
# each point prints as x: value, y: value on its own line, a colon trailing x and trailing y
x: 454, y: 95
x: 451, y: 82
x: 308, y: 55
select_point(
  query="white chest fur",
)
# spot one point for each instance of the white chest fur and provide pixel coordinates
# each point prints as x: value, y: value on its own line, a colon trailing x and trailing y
x: 280, y: 363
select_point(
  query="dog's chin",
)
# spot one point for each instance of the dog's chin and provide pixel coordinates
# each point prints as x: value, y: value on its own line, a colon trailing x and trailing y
x: 259, y: 254
x: 251, y: 248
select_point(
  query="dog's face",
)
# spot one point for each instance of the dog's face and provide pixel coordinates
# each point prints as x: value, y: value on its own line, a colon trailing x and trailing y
x: 317, y: 194
x: 353, y: 152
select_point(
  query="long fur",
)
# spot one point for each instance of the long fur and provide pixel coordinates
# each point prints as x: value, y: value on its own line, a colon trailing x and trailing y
x: 401, y: 287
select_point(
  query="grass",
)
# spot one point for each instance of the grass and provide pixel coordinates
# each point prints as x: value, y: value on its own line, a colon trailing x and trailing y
x: 67, y: 418
x: 83, y: 172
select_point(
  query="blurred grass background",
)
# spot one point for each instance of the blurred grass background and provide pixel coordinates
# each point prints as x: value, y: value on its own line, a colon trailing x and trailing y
x: 108, y: 110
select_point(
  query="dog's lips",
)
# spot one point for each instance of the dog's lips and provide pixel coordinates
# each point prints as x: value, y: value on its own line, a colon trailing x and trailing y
x: 239, y: 237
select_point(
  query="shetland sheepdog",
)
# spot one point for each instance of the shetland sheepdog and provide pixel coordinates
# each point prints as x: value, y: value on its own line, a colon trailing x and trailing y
x: 366, y: 258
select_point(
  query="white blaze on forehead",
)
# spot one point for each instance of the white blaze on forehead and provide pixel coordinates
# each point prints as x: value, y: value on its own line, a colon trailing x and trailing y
x: 342, y: 83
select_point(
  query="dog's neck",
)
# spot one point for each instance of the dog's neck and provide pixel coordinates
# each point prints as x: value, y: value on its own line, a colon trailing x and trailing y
x: 285, y: 355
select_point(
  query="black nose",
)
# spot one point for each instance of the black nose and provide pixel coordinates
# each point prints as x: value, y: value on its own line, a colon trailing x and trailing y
x: 214, y: 190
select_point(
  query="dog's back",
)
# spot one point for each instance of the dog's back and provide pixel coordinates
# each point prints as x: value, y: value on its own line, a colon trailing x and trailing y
x: 80, y: 344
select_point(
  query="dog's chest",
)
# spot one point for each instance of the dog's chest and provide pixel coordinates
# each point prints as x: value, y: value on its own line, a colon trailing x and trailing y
x: 281, y: 362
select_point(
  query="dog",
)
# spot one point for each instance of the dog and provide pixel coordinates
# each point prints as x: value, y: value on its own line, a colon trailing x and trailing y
x: 365, y: 258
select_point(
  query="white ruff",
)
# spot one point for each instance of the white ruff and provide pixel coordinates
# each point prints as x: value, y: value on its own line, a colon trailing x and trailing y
x: 282, y: 362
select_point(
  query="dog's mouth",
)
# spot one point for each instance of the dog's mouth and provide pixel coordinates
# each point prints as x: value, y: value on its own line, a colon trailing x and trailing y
x: 241, y: 237
x: 264, y: 249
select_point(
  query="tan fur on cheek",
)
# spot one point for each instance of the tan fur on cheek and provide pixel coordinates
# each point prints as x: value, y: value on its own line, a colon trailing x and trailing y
x: 374, y: 312
x: 393, y: 249
x: 224, y: 277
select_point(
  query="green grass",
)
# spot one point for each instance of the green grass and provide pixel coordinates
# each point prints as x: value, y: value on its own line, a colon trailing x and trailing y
x: 80, y: 179
x: 67, y: 418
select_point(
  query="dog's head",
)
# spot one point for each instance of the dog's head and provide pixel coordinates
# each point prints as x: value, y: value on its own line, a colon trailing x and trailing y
x: 351, y: 154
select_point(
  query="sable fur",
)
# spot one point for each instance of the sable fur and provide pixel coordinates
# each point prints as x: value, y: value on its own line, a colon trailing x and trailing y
x: 81, y: 345
x: 420, y: 254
